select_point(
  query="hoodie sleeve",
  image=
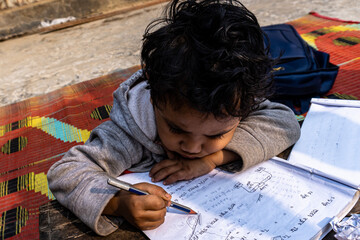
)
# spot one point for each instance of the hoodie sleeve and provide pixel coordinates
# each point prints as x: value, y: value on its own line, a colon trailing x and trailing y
x: 266, y: 132
x: 79, y: 179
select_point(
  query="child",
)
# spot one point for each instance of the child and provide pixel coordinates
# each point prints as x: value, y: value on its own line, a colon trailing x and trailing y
x: 199, y: 102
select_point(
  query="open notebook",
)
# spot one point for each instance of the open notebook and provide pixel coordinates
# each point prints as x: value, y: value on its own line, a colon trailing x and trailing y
x: 276, y: 199
x: 330, y: 140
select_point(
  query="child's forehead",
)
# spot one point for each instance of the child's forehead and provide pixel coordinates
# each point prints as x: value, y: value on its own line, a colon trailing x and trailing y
x: 185, y: 115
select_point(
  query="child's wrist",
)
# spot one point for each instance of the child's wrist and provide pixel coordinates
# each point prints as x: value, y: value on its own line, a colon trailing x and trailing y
x: 112, y: 208
x: 216, y: 159
x: 225, y: 157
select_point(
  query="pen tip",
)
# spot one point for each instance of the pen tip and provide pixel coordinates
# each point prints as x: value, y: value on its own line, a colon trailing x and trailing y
x: 192, y: 212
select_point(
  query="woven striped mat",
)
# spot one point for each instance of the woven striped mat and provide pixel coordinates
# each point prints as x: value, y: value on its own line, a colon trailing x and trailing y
x: 341, y: 39
x: 37, y: 132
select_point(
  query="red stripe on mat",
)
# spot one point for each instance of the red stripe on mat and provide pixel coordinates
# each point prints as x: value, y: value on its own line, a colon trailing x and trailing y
x: 331, y: 18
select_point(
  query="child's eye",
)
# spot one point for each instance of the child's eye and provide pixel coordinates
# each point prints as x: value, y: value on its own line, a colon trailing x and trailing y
x: 175, y: 130
x: 217, y: 136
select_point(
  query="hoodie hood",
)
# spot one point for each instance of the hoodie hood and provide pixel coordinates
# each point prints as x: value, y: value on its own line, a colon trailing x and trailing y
x: 133, y: 112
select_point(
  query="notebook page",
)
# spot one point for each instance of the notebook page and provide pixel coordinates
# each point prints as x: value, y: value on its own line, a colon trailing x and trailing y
x: 330, y: 141
x: 269, y: 201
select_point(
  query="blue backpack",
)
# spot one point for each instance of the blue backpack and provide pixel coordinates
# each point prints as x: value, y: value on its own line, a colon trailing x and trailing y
x: 302, y: 71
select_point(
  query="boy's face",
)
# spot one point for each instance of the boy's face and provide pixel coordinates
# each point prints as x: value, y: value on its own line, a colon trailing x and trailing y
x: 190, y: 134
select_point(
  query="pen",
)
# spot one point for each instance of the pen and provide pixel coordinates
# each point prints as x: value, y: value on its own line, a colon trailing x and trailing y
x: 128, y: 187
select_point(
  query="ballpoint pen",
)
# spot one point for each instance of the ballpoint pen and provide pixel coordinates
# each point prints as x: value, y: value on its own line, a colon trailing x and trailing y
x: 128, y: 187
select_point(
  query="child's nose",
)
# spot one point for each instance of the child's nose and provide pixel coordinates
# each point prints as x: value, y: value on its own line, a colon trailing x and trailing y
x: 191, y: 146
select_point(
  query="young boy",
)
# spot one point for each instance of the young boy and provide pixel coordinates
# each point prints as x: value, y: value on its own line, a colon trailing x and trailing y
x: 199, y: 102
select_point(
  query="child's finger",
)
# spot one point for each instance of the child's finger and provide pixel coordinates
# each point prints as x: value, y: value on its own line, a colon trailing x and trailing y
x: 155, y: 191
x: 177, y: 176
x: 153, y: 203
x: 152, y: 219
x: 151, y: 225
x: 165, y: 172
x: 163, y: 164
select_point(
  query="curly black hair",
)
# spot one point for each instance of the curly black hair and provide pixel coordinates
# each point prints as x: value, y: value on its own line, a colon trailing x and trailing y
x: 208, y: 54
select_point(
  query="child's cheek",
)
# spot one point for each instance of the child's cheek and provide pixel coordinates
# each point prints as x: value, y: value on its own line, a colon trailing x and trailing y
x: 168, y: 140
x: 171, y: 141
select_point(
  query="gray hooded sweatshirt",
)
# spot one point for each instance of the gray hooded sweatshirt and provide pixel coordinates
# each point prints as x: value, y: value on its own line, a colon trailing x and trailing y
x: 127, y: 142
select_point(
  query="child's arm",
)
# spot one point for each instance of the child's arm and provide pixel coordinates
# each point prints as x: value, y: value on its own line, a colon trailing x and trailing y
x: 266, y: 132
x: 79, y: 179
x: 176, y: 168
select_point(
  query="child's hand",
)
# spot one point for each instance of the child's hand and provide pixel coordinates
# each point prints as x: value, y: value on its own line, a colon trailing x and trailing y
x: 177, y: 168
x: 143, y: 211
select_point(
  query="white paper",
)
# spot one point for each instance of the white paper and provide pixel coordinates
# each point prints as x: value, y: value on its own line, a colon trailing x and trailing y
x: 336, y: 102
x: 330, y: 141
x: 268, y: 201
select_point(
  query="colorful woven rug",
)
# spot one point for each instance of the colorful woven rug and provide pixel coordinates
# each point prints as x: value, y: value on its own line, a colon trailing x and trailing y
x: 341, y: 39
x: 37, y: 132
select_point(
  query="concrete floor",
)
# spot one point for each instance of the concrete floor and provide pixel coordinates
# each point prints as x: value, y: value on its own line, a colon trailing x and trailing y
x: 37, y: 64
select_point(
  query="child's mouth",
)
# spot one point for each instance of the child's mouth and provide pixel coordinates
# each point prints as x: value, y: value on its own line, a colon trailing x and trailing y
x: 189, y: 157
